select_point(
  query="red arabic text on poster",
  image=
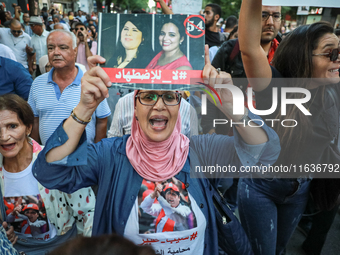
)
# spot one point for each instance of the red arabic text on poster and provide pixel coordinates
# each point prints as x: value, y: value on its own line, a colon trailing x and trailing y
x: 152, y: 76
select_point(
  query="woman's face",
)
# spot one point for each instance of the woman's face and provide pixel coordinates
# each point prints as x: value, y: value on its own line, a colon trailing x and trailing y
x: 322, y: 66
x: 48, y: 67
x: 13, y: 134
x: 157, y: 121
x: 170, y: 38
x: 89, y: 33
x: 234, y: 36
x: 130, y: 36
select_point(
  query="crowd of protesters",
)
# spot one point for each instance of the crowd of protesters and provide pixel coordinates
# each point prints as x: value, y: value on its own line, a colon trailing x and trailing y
x: 59, y: 182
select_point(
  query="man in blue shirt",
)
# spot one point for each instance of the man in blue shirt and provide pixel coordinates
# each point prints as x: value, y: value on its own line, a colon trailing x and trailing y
x: 15, y: 78
x: 55, y: 94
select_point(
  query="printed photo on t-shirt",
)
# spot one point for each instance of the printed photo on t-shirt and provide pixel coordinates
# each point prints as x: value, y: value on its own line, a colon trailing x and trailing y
x: 27, y: 214
x: 164, y: 207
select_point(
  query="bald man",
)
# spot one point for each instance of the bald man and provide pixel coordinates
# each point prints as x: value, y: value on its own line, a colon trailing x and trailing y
x: 58, y: 26
x: 17, y: 40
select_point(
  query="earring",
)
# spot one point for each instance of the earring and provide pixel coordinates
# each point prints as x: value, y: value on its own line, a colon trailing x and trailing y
x: 136, y: 118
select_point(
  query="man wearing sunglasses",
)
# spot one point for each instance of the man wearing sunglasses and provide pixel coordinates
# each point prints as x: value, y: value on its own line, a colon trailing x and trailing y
x: 86, y: 47
x: 16, y: 39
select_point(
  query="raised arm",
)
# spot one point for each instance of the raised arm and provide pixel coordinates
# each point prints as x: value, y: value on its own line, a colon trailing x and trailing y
x: 250, y: 135
x: 165, y: 8
x: 253, y: 56
x: 93, y: 91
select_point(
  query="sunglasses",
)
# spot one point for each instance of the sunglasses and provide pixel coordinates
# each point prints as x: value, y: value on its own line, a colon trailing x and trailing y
x: 333, y: 54
x: 80, y: 28
x: 16, y: 31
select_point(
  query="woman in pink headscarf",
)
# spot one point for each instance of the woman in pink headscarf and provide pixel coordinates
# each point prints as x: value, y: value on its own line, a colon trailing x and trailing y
x: 156, y: 151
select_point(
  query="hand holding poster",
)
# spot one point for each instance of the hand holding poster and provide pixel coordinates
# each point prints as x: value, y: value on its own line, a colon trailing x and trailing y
x: 325, y: 3
x: 158, y: 51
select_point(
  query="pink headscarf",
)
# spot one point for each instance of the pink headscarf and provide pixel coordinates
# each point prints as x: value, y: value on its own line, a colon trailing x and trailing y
x: 157, y: 161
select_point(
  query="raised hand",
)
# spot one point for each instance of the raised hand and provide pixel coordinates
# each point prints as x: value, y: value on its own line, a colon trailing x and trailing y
x: 94, y: 85
x: 213, y: 77
x: 10, y: 233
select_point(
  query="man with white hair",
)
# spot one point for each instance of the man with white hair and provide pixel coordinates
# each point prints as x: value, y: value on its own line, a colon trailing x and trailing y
x: 54, y: 94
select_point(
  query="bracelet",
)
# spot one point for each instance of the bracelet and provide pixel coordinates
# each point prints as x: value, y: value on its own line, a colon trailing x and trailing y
x: 34, y: 63
x: 80, y: 121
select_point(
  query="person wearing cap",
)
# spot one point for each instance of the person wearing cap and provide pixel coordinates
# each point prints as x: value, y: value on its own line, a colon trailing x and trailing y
x: 32, y: 225
x: 155, y: 151
x: 49, y: 22
x: 170, y: 214
x: 38, y: 46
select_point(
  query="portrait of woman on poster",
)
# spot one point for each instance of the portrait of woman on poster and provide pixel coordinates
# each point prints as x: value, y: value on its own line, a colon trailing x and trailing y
x: 133, y: 49
x: 171, y: 38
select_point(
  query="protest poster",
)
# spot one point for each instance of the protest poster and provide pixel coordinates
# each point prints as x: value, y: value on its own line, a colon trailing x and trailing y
x: 161, y: 52
x: 318, y: 3
x: 186, y: 6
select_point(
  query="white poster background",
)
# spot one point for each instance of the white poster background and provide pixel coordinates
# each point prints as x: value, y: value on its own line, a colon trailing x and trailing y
x: 317, y: 3
x: 186, y: 6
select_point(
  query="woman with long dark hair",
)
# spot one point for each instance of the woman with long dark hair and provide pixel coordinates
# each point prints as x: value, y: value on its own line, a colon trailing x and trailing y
x: 171, y: 38
x: 270, y: 209
x: 134, y: 48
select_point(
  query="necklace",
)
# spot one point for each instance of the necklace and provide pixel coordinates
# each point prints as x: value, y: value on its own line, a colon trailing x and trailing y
x: 15, y: 44
x: 317, y: 90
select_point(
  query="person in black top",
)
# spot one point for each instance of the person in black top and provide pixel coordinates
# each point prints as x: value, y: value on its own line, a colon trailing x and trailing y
x: 309, y: 52
x: 213, y: 37
x: 134, y: 46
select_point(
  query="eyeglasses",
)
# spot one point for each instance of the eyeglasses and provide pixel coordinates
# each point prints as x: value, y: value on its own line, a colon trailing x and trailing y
x: 150, y: 98
x: 266, y: 15
x: 333, y: 54
x: 16, y: 31
x: 80, y: 28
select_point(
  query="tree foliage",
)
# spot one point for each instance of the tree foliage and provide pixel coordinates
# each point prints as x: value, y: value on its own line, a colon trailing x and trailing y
x: 131, y: 5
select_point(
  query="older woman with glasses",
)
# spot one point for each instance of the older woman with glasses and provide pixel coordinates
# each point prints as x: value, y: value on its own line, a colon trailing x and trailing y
x: 155, y: 153
x: 310, y: 52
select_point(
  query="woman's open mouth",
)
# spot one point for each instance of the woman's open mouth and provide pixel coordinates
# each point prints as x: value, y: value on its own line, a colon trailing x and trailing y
x: 158, y: 123
x: 8, y: 147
